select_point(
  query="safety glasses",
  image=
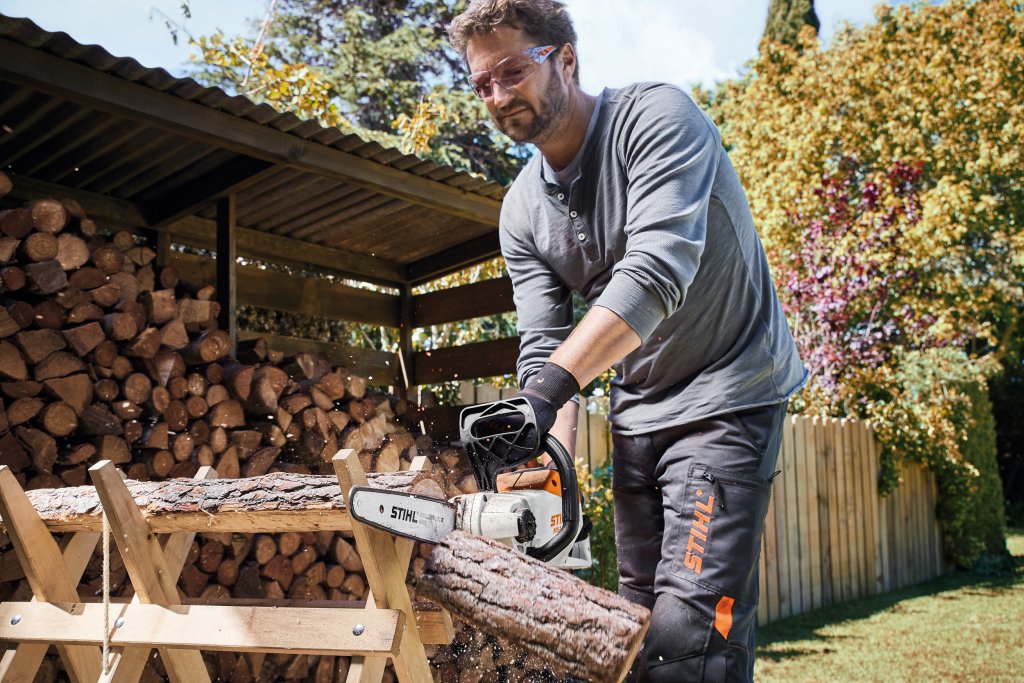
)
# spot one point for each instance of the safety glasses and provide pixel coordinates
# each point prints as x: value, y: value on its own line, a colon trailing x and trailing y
x: 510, y: 71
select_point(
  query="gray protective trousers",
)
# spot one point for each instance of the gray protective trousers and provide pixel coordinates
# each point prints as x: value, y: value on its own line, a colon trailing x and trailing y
x: 690, y: 503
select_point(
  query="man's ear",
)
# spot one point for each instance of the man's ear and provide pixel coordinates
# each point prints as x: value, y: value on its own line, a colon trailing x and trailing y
x: 568, y: 56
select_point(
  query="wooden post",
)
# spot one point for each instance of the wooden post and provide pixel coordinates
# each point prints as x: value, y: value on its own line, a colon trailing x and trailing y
x: 163, y: 247
x: 227, y: 287
x: 406, y: 323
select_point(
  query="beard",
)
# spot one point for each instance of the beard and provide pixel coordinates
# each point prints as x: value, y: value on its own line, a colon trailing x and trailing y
x: 535, y: 125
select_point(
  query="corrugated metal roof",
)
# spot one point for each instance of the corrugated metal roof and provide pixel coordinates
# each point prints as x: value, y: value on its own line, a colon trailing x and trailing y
x: 60, y: 44
x: 82, y: 143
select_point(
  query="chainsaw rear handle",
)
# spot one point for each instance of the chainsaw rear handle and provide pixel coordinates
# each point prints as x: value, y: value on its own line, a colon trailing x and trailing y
x: 509, y: 440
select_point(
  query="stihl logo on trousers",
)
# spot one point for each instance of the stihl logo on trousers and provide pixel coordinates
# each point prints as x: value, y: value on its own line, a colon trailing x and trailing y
x: 697, y: 541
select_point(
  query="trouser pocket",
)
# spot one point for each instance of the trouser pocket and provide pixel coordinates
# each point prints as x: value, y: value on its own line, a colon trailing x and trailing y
x: 719, y: 531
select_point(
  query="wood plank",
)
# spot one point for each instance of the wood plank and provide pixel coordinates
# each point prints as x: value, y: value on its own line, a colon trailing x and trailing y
x: 782, y: 538
x: 845, y: 570
x: 384, y: 575
x: 856, y: 498
x: 824, y: 565
x: 769, y: 548
x: 476, y: 300
x: 762, y: 580
x: 47, y: 575
x: 870, y: 509
x: 227, y: 179
x: 281, y: 291
x: 597, y: 438
x: 209, y: 627
x: 455, y: 259
x: 482, y: 359
x: 810, y: 557
x: 793, y: 531
x: 834, y: 511
x: 200, y: 123
x: 379, y: 368
x: 878, y: 519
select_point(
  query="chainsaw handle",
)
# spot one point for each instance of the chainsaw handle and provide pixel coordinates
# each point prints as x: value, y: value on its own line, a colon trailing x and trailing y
x: 570, y: 501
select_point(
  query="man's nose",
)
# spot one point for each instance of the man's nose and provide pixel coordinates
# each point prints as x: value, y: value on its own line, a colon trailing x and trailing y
x: 500, y: 95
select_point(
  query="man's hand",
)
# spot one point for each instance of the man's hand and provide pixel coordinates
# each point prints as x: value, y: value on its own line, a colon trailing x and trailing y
x: 546, y: 392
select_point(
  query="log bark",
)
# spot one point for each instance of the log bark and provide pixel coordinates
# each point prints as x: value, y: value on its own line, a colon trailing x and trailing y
x: 555, y: 617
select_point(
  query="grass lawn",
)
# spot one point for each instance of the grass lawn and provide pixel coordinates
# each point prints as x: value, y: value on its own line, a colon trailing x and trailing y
x: 961, y: 627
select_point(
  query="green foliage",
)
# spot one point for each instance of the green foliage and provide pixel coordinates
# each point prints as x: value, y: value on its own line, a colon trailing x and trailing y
x: 381, y: 69
x: 973, y: 520
x: 597, y: 489
x: 884, y: 175
x: 786, y: 18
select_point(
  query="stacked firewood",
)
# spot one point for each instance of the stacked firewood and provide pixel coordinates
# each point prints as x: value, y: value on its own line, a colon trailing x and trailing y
x: 106, y: 355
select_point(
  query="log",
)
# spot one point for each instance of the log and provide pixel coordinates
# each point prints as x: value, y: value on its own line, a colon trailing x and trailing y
x: 46, y: 277
x: 38, y: 344
x: 210, y: 346
x: 72, y: 252
x: 12, y: 278
x: 49, y: 314
x: 48, y: 215
x: 58, y: 419
x: 84, y: 338
x: 39, y: 247
x: 75, y: 390
x: 555, y: 617
x: 16, y: 223
x: 313, y: 501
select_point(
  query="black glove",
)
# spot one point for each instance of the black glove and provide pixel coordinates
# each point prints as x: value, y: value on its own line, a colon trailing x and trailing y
x: 547, y: 391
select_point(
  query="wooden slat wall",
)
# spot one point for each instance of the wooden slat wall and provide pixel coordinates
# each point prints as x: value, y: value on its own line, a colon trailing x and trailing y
x: 829, y: 537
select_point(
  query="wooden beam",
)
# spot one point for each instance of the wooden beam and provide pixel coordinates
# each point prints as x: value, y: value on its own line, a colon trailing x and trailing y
x: 209, y: 627
x: 455, y: 259
x: 380, y: 368
x: 227, y: 262
x: 489, y: 297
x: 197, y: 122
x: 482, y: 359
x: 229, y: 178
x: 283, y: 292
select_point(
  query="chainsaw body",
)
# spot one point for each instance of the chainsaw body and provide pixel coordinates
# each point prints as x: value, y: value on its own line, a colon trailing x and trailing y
x: 535, y: 511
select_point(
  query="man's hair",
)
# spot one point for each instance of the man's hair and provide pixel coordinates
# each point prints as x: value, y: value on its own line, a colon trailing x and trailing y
x: 546, y: 21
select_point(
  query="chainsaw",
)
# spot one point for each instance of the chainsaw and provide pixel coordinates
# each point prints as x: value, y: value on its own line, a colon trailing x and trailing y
x: 535, y: 511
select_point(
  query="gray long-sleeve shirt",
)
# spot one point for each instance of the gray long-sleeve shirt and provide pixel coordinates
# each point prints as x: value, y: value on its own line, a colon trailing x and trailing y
x: 656, y: 228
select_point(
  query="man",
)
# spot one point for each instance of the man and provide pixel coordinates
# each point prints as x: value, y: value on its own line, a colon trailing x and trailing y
x: 633, y: 203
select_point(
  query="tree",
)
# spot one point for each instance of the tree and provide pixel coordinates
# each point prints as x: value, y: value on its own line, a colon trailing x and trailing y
x: 884, y: 175
x: 381, y: 69
x: 786, y: 18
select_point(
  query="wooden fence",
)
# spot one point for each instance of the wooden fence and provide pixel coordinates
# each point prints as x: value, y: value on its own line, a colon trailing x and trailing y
x: 829, y: 536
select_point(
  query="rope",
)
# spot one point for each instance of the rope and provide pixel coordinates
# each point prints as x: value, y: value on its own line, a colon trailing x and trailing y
x: 106, y: 594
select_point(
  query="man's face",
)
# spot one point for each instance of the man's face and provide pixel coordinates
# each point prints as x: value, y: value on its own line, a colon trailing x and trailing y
x: 527, y: 111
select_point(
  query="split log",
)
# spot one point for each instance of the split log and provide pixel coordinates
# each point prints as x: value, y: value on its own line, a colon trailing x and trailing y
x: 75, y: 390
x: 12, y: 365
x: 38, y: 344
x: 594, y: 635
x: 84, y: 338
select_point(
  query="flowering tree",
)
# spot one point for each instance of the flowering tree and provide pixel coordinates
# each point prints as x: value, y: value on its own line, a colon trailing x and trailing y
x: 885, y: 176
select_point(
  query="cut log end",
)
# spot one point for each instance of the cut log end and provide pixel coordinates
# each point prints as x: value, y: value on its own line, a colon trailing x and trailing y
x: 555, y: 617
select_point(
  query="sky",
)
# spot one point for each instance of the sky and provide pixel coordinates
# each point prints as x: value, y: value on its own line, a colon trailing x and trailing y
x: 685, y: 42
